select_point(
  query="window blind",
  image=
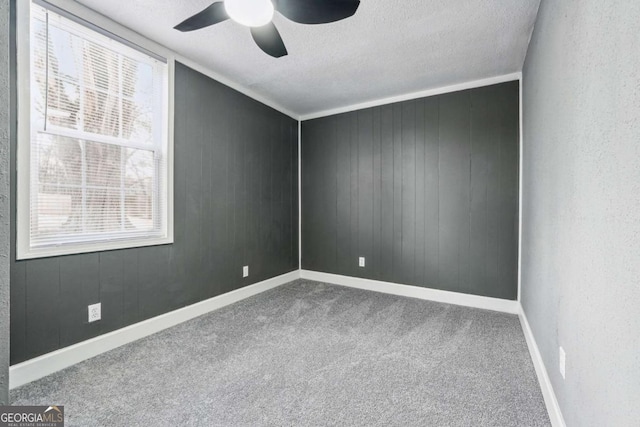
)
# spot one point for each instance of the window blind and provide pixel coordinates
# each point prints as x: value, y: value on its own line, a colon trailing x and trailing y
x: 98, y: 148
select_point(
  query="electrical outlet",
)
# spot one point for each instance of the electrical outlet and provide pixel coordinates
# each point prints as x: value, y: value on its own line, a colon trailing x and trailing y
x: 563, y: 361
x: 95, y: 312
x: 361, y: 261
x: 245, y: 271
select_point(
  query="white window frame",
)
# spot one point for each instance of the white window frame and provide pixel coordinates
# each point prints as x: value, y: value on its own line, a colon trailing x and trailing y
x: 24, y: 250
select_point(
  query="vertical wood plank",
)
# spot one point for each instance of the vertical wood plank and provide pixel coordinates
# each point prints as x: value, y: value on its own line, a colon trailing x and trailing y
x: 352, y: 261
x: 311, y: 207
x: 153, y: 273
x: 343, y: 200
x: 464, y: 163
x: 111, y: 278
x: 43, y: 306
x: 432, y: 192
x: 131, y: 286
x: 408, y: 192
x: 183, y: 81
x: 324, y: 193
x: 509, y: 176
x: 210, y: 141
x: 419, y: 191
x: 480, y: 144
x: 79, y: 287
x: 238, y: 243
x: 454, y: 190
x: 365, y: 190
x: 329, y: 202
x: 192, y: 142
x: 18, y: 312
x: 275, y: 232
x: 397, y: 191
x: 493, y: 227
x: 377, y: 193
x: 386, y: 193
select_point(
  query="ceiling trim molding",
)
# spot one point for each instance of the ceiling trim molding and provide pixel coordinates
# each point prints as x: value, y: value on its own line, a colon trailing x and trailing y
x: 120, y: 30
x: 110, y: 25
x: 415, y: 95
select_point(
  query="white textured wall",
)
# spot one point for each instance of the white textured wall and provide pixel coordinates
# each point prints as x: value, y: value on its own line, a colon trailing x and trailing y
x: 4, y: 201
x: 581, y: 205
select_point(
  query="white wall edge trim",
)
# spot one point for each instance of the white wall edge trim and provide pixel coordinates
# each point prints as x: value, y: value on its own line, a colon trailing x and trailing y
x: 299, y: 195
x: 49, y: 363
x: 415, y: 95
x: 467, y: 300
x: 520, y: 175
x: 550, y: 400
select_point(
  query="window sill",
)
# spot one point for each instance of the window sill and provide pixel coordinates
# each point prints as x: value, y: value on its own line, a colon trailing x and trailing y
x: 82, y: 248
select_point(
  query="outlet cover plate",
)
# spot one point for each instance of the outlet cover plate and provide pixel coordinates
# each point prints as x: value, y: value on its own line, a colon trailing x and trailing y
x: 361, y: 261
x: 245, y: 271
x: 95, y: 312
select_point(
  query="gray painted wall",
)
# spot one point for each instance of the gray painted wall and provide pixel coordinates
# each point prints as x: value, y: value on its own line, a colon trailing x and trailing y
x: 426, y: 190
x: 4, y: 203
x: 235, y: 204
x: 581, y: 205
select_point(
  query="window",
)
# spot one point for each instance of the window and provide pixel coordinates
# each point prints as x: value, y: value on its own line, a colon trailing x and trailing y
x: 94, y: 168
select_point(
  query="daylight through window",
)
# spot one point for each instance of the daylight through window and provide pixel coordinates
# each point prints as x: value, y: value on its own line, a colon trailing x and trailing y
x: 98, y: 137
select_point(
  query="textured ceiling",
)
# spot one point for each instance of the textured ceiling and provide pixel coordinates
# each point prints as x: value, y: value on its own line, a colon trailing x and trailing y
x: 389, y: 48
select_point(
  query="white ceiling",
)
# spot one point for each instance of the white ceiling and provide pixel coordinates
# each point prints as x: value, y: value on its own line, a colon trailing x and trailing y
x: 388, y: 48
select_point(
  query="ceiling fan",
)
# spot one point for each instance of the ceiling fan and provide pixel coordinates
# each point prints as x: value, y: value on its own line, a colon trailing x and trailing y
x: 258, y: 15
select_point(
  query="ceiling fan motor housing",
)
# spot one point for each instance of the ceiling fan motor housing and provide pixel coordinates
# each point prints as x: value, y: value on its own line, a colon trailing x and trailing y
x: 251, y: 13
x: 258, y: 15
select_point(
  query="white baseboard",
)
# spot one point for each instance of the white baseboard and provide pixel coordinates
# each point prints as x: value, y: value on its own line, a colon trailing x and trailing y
x: 49, y: 363
x: 487, y: 303
x: 549, y: 395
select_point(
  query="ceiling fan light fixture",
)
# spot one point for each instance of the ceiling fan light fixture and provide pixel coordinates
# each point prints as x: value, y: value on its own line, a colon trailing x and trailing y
x: 251, y: 13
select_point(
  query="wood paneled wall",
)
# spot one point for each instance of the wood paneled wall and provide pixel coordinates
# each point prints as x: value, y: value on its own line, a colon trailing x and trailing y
x: 426, y: 190
x: 236, y: 203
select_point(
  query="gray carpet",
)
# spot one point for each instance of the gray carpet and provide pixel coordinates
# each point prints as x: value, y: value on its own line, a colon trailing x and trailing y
x: 310, y: 354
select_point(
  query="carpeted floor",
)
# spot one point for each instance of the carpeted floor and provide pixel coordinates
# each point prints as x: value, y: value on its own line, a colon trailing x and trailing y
x: 310, y: 354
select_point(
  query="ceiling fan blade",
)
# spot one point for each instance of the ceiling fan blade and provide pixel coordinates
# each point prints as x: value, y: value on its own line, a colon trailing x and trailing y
x: 316, y: 11
x: 209, y: 16
x: 268, y: 39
